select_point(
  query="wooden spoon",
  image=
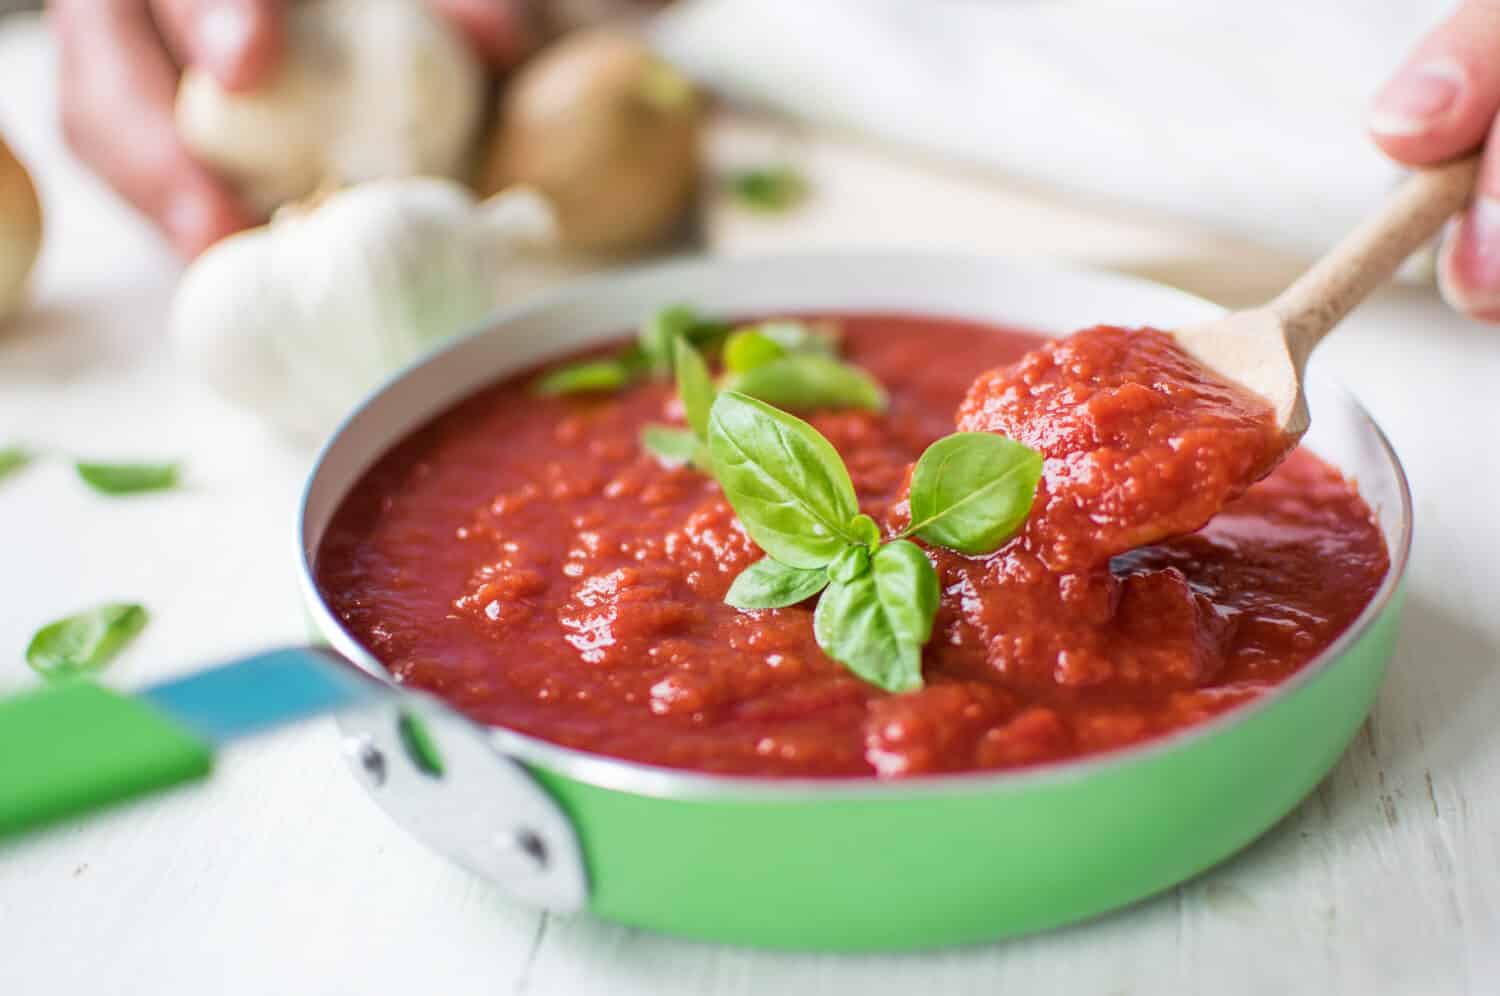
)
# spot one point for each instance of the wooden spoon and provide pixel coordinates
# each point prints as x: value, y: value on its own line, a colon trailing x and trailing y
x: 1266, y: 348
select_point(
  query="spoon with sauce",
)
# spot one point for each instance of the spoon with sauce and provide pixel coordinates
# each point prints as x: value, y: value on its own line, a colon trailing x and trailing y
x: 1266, y: 348
x: 1148, y: 434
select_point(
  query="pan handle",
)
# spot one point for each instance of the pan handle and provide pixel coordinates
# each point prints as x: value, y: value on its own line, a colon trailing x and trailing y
x: 438, y: 775
x: 70, y: 748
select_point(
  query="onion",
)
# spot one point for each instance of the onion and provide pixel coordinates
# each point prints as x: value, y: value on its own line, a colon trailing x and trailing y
x: 608, y: 132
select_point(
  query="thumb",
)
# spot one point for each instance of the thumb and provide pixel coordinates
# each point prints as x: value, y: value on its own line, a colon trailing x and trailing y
x: 1443, y: 101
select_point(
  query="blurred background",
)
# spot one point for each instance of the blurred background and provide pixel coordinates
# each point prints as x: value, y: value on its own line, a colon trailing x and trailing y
x: 1213, y: 148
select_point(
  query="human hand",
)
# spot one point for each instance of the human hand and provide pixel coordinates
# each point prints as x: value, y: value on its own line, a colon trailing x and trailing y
x: 1442, y: 104
x: 119, y: 63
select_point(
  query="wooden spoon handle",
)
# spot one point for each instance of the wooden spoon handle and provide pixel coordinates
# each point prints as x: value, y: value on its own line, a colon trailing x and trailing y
x: 1368, y: 256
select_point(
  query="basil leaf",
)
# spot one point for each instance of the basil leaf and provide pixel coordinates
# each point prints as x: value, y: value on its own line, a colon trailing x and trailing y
x: 854, y: 561
x: 907, y: 585
x: 592, y: 375
x: 767, y: 584
x: 770, y: 189
x: 673, y: 446
x: 854, y: 628
x: 801, y: 337
x: 12, y: 459
x: 807, y: 381
x: 865, y: 530
x: 748, y: 348
x: 662, y: 329
x: 786, y: 482
x: 128, y: 478
x: 694, y: 386
x: 84, y: 642
x: 972, y: 490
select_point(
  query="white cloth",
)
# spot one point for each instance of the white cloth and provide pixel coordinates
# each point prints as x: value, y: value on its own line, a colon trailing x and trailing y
x: 1247, y: 118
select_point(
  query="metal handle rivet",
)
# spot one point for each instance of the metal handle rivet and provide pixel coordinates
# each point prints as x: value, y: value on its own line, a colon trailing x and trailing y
x: 368, y: 758
x: 524, y: 846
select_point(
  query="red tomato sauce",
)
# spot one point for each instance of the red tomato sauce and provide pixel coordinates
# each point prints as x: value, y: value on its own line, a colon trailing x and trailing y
x: 524, y: 559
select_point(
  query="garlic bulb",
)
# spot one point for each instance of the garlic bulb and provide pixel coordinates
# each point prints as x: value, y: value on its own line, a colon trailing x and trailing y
x: 20, y: 231
x: 365, y: 89
x: 297, y: 320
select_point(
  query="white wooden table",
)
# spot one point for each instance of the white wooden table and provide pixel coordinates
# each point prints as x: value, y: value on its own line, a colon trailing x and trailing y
x: 278, y: 876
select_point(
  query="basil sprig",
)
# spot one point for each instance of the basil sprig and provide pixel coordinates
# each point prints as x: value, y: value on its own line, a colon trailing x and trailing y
x: 792, y: 493
x: 86, y: 642
x: 789, y: 364
x: 650, y: 355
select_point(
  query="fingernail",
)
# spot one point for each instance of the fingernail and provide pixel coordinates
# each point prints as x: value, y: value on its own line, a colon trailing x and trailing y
x: 1469, y: 261
x: 223, y: 32
x: 1418, y: 98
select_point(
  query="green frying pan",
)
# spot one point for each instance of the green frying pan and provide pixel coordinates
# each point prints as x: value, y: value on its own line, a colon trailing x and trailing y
x: 790, y: 863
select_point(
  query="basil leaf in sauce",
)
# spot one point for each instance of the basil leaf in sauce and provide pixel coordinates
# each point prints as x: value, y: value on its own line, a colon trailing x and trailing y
x: 767, y: 584
x: 661, y: 331
x: 580, y: 378
x: 127, y: 478
x: 655, y: 342
x: 972, y: 490
x: 694, y: 386
x: 786, y: 482
x: 794, y: 336
x: 748, y: 348
x: 865, y: 530
x: 807, y: 381
x: 673, y: 446
x: 769, y: 189
x: 853, y: 626
x: 756, y: 345
x: 12, y: 459
x: 85, y: 642
x: 907, y: 585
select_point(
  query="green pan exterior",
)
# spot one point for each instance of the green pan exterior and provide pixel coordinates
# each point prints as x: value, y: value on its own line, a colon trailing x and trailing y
x: 976, y: 860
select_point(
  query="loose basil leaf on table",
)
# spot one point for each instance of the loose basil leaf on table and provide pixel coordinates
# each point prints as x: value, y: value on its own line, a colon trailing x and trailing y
x: 972, y: 490
x: 674, y: 446
x: 12, y: 459
x: 769, y: 189
x: 127, y: 478
x: 807, y: 381
x: 694, y: 385
x: 786, y: 482
x: 767, y: 584
x: 86, y: 642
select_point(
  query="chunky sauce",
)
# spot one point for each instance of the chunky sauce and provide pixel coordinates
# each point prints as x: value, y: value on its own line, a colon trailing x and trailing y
x: 524, y: 559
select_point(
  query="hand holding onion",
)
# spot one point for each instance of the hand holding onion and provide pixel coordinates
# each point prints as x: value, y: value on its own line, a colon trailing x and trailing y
x: 118, y: 83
